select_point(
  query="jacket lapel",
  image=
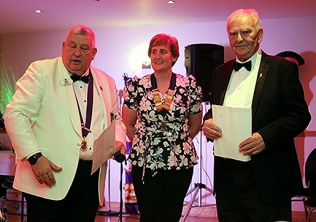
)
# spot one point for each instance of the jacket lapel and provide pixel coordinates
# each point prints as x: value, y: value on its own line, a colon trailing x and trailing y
x: 104, y: 94
x: 225, y: 79
x: 66, y: 83
x: 262, y: 74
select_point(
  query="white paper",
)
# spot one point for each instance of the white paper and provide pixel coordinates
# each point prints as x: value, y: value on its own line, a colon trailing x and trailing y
x: 104, y: 147
x: 235, y: 124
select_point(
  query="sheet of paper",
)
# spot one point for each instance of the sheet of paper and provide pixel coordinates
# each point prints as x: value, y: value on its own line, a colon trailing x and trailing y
x: 236, y: 127
x: 104, y: 147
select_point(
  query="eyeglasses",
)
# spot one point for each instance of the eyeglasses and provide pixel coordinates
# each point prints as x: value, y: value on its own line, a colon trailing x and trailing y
x: 243, y: 33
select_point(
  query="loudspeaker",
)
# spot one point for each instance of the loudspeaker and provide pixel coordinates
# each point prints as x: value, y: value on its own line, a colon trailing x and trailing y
x: 200, y: 61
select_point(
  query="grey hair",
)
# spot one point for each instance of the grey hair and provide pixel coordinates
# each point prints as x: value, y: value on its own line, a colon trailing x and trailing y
x: 239, y: 13
x: 83, y: 30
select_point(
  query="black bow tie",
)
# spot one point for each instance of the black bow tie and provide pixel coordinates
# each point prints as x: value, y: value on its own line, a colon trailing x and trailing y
x: 84, y: 79
x: 238, y: 65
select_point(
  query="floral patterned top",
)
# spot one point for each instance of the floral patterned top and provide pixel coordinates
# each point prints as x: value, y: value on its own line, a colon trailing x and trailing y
x: 162, y: 139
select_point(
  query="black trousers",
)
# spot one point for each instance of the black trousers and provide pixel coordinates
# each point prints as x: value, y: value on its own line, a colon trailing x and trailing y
x: 238, y: 200
x: 160, y: 198
x: 80, y: 204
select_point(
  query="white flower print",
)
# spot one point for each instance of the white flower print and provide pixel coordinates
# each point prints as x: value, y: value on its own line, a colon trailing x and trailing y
x: 162, y: 140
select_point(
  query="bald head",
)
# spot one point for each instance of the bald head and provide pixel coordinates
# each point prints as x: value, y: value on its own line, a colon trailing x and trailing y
x: 83, y: 30
x: 79, y: 49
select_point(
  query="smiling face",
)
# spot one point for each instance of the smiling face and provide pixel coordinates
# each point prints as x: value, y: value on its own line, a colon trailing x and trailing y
x: 78, y: 50
x: 163, y: 52
x: 161, y: 58
x: 245, y: 34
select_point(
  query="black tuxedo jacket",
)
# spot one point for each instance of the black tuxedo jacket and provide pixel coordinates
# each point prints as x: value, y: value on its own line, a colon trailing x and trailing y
x: 279, y: 113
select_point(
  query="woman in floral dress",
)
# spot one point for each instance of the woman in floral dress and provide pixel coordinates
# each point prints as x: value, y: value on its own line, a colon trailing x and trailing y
x: 162, y: 112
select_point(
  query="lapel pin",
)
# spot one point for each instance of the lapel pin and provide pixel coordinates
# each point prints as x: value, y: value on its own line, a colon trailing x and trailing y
x: 64, y: 82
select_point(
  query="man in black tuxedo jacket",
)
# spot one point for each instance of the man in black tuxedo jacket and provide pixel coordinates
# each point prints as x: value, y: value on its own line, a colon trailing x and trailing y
x: 260, y: 189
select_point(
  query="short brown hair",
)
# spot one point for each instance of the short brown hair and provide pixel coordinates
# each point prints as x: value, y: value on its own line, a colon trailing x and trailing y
x: 164, y: 39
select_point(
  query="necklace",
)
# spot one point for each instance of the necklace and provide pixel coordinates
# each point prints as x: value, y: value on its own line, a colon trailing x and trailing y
x: 85, y: 127
x: 159, y: 102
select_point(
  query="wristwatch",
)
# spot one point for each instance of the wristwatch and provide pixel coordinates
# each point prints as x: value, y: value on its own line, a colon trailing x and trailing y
x: 33, y: 159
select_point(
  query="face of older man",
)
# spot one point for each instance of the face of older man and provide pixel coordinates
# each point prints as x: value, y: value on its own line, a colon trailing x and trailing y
x: 78, y: 52
x: 243, y: 37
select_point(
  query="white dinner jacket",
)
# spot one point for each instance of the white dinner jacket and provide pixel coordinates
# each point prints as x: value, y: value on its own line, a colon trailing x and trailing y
x: 43, y: 116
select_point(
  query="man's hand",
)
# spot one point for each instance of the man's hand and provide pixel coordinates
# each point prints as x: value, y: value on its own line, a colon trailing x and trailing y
x: 210, y: 130
x: 43, y: 170
x: 120, y: 147
x: 252, y: 145
x: 119, y: 155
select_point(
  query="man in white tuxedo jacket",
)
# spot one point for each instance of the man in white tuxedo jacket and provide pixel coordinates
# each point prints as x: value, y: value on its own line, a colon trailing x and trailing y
x: 60, y: 107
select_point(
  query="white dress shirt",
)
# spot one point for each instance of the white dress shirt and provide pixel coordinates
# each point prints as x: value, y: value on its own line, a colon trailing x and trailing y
x: 242, y: 83
x: 97, y: 121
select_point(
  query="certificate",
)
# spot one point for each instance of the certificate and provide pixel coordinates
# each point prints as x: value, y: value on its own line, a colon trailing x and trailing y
x: 235, y: 124
x: 104, y: 147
